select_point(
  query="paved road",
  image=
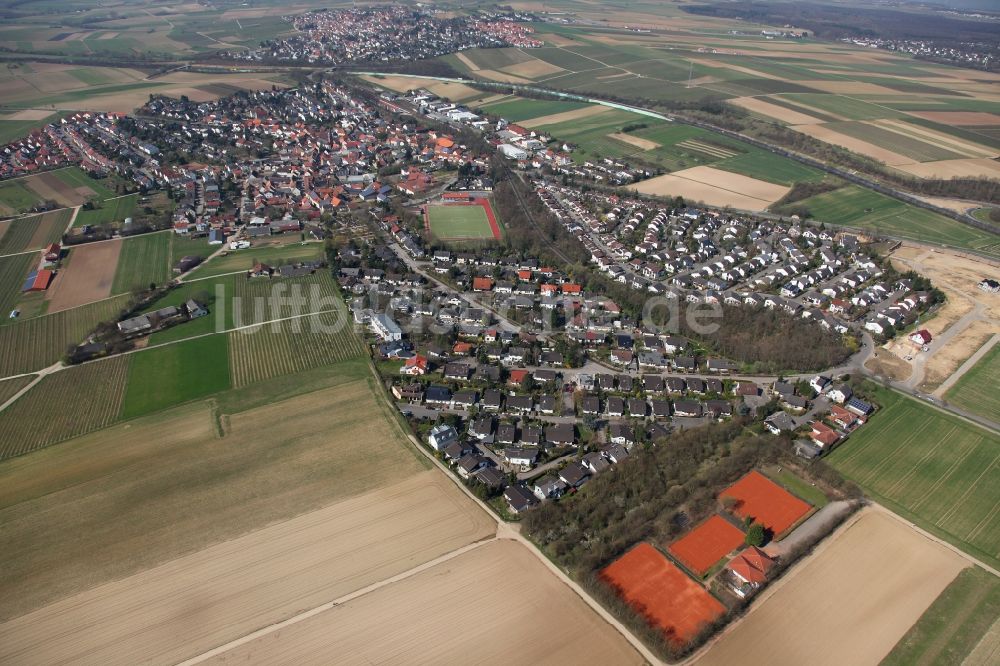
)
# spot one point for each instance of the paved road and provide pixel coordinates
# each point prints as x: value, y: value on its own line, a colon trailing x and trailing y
x: 808, y: 531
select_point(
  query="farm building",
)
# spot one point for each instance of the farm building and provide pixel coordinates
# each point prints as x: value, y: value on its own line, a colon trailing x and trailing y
x: 38, y: 280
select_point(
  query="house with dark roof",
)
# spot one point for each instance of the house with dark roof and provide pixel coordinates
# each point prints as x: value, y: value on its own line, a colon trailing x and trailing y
x: 519, y: 499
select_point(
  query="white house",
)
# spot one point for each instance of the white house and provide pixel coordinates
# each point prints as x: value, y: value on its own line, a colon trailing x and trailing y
x: 442, y: 436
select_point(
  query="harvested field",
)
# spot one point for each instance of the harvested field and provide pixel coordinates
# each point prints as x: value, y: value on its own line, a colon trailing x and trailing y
x: 119, y: 501
x: 565, y: 116
x: 638, y: 142
x: 824, y: 133
x: 467, y: 61
x: 87, y: 277
x: 662, y: 593
x: 779, y: 113
x: 765, y: 502
x: 849, y: 87
x: 494, y: 75
x: 714, y: 187
x: 40, y: 114
x: 701, y: 548
x: 450, y: 90
x: 262, y: 577
x: 49, y: 185
x: 494, y: 592
x: 532, y: 69
x: 960, y: 118
x: 870, y: 582
x: 88, y: 398
x: 941, y: 140
x: 972, y: 168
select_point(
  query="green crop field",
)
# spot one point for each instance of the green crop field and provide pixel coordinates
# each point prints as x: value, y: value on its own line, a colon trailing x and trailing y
x: 910, y: 146
x: 15, y: 197
x: 143, y: 260
x: 111, y: 211
x: 11, y: 130
x: 33, y: 344
x: 13, y: 271
x: 773, y: 168
x: 976, y: 390
x: 516, y: 110
x: 845, y: 107
x: 451, y: 222
x: 952, y: 627
x: 62, y: 405
x: 858, y: 207
x: 243, y: 260
x: 103, y: 188
x: 161, y: 377
x: 292, y: 346
x: 930, y: 467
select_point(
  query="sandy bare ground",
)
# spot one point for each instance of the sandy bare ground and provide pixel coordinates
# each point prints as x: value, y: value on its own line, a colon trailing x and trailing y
x: 533, y: 69
x: 565, y: 116
x: 953, y: 168
x: 714, y: 187
x: 961, y: 118
x: 974, y: 314
x: 779, y: 113
x: 848, y: 604
x: 191, y: 604
x: 957, y: 205
x: 824, y: 133
x: 493, y: 604
x: 889, y: 364
x: 638, y: 142
x: 88, y: 275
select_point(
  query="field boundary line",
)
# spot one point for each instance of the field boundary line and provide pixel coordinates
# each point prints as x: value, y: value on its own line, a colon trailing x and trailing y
x: 967, y: 365
x: 968, y: 490
x: 983, y: 523
x: 905, y: 478
x: 941, y: 479
x: 305, y: 615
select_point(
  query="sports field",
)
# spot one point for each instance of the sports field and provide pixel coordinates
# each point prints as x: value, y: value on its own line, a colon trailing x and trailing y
x: 455, y: 222
x: 762, y: 500
x: 701, y: 548
x: 961, y: 623
x: 662, y: 593
x: 931, y: 467
x: 976, y: 390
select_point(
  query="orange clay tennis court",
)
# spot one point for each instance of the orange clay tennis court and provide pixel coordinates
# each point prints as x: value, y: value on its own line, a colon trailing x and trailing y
x: 662, y: 593
x: 766, y: 502
x: 706, y: 544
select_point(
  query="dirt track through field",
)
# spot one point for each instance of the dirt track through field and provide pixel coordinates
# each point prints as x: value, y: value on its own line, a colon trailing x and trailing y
x: 87, y: 277
x: 468, y: 609
x: 194, y: 603
x: 849, y: 603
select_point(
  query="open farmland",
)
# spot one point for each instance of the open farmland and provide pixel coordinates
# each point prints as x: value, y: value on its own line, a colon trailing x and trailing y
x: 757, y: 498
x: 958, y: 626
x: 291, y: 346
x: 932, y: 468
x: 143, y: 260
x: 35, y: 231
x: 33, y: 344
x: 13, y: 271
x: 86, y: 276
x: 858, y: 207
x: 138, y: 494
x: 110, y: 212
x: 701, y: 548
x: 487, y: 591
x: 872, y: 579
x: 976, y: 389
x: 662, y: 593
x: 88, y: 398
x: 714, y: 187
x: 161, y: 377
x: 243, y: 260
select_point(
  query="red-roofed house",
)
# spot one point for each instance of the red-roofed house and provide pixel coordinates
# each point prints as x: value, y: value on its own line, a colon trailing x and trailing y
x: 842, y: 417
x: 463, y: 348
x: 482, y: 284
x: 921, y: 337
x: 518, y: 377
x: 571, y: 288
x: 749, y: 571
x: 415, y: 365
x: 824, y: 436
